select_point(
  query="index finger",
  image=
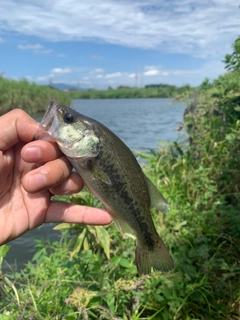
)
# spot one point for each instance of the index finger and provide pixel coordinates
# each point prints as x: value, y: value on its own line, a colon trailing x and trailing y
x: 73, y: 213
x: 14, y: 126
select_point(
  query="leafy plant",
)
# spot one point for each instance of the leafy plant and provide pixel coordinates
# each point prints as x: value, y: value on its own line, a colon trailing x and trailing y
x: 232, y: 61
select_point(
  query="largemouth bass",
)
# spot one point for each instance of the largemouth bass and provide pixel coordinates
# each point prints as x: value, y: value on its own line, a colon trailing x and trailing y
x: 111, y: 173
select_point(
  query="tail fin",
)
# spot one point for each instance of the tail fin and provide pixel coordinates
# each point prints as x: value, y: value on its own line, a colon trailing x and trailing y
x: 156, y: 258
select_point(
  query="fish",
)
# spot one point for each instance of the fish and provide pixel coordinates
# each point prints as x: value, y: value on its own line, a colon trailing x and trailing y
x: 111, y: 172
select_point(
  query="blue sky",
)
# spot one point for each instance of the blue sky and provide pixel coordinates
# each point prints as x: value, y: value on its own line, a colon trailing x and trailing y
x: 96, y: 44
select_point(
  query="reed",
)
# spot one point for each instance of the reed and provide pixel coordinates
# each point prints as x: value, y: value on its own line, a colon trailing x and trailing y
x: 28, y: 96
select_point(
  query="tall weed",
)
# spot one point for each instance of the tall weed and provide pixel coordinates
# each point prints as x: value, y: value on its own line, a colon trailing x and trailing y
x: 30, y: 97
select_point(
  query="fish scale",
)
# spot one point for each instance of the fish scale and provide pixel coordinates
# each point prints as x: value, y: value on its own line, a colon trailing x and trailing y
x: 111, y: 173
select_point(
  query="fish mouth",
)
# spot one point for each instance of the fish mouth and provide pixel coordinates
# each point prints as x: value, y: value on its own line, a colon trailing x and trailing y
x: 44, y: 132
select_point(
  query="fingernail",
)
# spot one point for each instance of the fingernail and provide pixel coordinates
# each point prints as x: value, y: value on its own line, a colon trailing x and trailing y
x: 37, y: 182
x: 33, y: 153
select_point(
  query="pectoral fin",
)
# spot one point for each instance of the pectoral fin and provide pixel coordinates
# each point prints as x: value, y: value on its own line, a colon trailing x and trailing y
x: 157, y: 199
x: 100, y: 175
x: 97, y: 173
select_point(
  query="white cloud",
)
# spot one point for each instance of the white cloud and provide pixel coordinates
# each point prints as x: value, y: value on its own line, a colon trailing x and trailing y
x: 55, y: 73
x: 155, y: 70
x: 43, y: 79
x: 28, y: 78
x: 30, y: 46
x: 113, y: 75
x: 60, y: 71
x: 132, y: 75
x: 99, y: 76
x: 95, y: 57
x: 45, y: 51
x: 151, y: 67
x: 99, y: 70
x: 36, y: 48
x: 160, y: 71
x: 1, y: 40
x: 199, y: 28
x: 152, y: 72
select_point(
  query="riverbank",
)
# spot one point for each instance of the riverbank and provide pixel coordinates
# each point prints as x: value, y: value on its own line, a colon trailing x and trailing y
x: 34, y: 98
x: 157, y: 91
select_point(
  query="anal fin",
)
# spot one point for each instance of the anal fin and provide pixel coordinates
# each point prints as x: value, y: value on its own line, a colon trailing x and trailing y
x: 124, y: 228
x: 157, y: 199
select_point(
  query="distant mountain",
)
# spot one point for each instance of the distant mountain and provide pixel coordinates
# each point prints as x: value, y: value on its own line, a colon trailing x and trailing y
x: 65, y: 86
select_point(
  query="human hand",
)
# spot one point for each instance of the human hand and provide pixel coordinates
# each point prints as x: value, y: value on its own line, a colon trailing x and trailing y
x: 30, y: 172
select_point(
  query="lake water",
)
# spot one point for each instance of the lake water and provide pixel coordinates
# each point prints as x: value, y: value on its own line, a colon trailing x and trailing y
x: 140, y: 123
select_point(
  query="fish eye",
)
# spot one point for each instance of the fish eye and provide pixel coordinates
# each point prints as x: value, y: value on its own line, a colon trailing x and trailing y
x: 68, y: 118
